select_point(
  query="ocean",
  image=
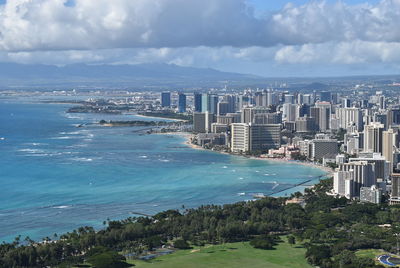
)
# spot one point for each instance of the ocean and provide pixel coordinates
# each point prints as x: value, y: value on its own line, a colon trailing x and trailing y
x: 56, y: 177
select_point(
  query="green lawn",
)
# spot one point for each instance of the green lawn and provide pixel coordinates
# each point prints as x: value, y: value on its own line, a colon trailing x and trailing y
x: 369, y: 253
x: 232, y: 255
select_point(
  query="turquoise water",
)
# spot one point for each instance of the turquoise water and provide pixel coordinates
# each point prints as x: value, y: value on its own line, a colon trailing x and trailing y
x: 55, y: 177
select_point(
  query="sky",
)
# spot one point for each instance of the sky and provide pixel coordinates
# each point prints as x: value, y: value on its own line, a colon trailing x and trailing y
x: 263, y: 37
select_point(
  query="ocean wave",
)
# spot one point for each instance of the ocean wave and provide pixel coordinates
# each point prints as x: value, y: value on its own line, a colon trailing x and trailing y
x: 35, y: 144
x: 143, y: 156
x: 276, y: 185
x: 73, y: 117
x: 82, y: 159
x: 71, y: 133
x: 31, y: 151
x: 61, y: 138
x: 61, y: 207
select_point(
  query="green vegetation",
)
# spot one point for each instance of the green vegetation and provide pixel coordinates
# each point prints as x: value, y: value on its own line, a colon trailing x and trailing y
x: 332, y: 231
x: 136, y: 123
x: 234, y: 255
x: 170, y: 115
x: 264, y: 242
x: 181, y: 244
x: 101, y: 257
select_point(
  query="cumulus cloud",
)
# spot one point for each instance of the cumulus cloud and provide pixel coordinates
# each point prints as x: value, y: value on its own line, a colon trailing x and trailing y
x: 95, y: 24
x: 206, y: 33
x: 354, y: 52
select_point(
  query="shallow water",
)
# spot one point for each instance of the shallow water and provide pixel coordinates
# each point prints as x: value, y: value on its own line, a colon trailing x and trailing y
x: 55, y: 177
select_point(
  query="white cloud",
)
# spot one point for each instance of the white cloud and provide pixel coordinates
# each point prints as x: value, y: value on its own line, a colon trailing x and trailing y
x: 222, y: 34
x: 354, y: 52
x: 94, y: 24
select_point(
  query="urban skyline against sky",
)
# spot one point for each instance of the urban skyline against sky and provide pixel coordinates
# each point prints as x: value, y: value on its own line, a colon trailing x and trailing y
x: 267, y: 38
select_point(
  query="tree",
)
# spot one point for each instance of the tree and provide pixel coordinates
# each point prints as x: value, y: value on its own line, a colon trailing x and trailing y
x: 291, y: 240
x: 181, y: 244
x: 104, y: 258
x: 263, y: 242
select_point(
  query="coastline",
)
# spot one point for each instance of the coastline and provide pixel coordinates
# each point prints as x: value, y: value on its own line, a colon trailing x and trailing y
x: 187, y: 136
x: 156, y: 117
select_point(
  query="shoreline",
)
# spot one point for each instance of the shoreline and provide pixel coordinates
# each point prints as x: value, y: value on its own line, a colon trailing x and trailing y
x: 187, y: 135
x: 156, y: 117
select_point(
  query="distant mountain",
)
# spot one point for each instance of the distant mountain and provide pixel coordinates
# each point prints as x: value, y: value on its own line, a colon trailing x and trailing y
x: 36, y: 75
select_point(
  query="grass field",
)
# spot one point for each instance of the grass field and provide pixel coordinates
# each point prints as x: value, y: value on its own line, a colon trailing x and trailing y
x: 369, y: 253
x: 232, y: 255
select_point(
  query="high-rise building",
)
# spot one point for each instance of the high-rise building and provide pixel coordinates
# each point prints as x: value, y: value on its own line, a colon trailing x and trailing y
x: 382, y: 102
x: 395, y: 178
x: 393, y: 116
x: 249, y: 112
x: 308, y: 99
x: 343, y: 183
x: 352, y: 143
x: 304, y: 110
x: 223, y: 108
x: 305, y: 124
x: 270, y: 98
x: 363, y: 176
x: 346, y: 103
x: 210, y: 118
x: 350, y: 116
x: 324, y: 115
x: 254, y: 137
x: 181, y: 103
x: 373, y: 137
x: 325, y: 96
x: 290, y: 112
x: 259, y: 99
x: 197, y: 98
x: 381, y: 165
x: 166, y: 99
x: 209, y: 103
x: 229, y: 118
x: 231, y: 100
x: 289, y: 99
x: 388, y: 146
x: 267, y: 118
x: 319, y: 148
x: 199, y: 122
x: 240, y: 137
x: 371, y: 194
x: 264, y: 137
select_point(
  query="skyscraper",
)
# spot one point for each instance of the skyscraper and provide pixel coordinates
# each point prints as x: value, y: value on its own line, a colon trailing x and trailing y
x: 373, y: 137
x: 209, y: 103
x: 324, y: 115
x: 181, y: 103
x: 325, y: 96
x: 389, y: 138
x: 254, y: 137
x: 166, y: 99
x: 197, y: 102
x: 290, y: 112
x: 350, y: 116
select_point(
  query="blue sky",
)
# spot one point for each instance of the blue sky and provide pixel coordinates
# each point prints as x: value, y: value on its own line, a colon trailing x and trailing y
x: 308, y: 38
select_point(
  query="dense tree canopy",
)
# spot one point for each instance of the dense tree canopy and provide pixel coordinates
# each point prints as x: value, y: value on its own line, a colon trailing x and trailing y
x: 331, y: 229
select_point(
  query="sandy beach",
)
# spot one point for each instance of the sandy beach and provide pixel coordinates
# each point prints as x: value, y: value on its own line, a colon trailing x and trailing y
x: 188, y: 136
